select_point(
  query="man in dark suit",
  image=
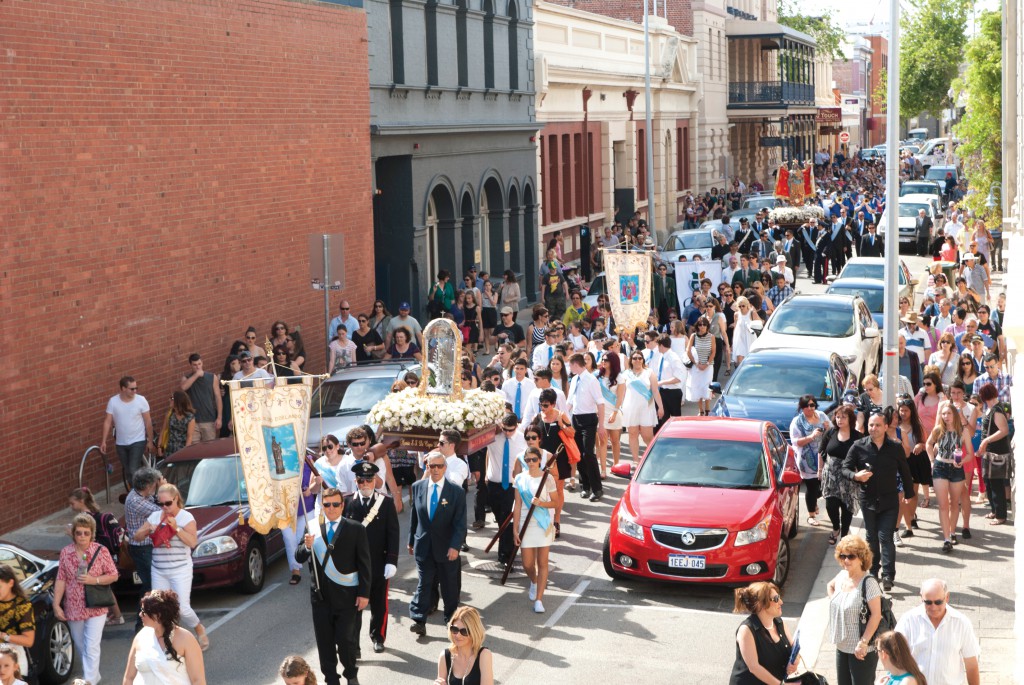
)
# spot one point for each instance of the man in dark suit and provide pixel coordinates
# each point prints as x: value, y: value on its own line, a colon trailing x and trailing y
x: 923, y: 224
x: 376, y: 512
x: 339, y: 561
x: 437, y: 531
x: 664, y: 293
x: 745, y: 236
x: 746, y: 275
x: 791, y: 248
x: 871, y: 245
x: 808, y: 235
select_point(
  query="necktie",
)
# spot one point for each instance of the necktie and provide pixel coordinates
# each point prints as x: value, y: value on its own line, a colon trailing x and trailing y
x: 572, y: 389
x: 661, y: 367
x: 330, y: 532
x: 551, y: 353
x: 433, y: 500
x: 504, y: 466
x: 872, y: 241
x: 517, y: 407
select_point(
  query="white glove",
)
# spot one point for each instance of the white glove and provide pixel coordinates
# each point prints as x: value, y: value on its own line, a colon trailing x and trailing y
x: 389, y: 571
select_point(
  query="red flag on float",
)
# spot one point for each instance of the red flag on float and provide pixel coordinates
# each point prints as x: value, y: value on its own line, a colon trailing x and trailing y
x: 782, y: 182
x: 809, y: 188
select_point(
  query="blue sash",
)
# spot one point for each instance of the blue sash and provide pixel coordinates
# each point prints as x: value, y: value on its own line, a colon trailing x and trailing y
x: 541, y: 515
x: 609, y: 394
x: 329, y: 475
x: 642, y: 389
x: 336, y: 576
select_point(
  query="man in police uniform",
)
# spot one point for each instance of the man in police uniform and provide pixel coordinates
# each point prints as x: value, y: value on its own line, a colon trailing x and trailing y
x: 339, y: 560
x: 376, y: 512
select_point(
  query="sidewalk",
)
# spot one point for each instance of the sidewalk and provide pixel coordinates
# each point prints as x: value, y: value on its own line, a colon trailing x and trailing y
x: 49, y: 534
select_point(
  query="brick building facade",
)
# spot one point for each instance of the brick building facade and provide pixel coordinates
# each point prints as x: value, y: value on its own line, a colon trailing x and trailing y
x: 164, y: 165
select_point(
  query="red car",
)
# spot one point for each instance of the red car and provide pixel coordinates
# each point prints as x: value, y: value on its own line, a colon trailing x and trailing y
x: 714, y: 500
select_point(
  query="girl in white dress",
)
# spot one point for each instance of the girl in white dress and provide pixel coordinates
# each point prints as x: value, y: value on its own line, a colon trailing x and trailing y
x: 742, y: 337
x: 541, y: 530
x: 163, y: 653
x: 614, y: 391
x: 641, y: 407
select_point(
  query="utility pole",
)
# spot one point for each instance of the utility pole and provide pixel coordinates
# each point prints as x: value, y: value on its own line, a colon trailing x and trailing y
x: 892, y: 210
x: 648, y: 139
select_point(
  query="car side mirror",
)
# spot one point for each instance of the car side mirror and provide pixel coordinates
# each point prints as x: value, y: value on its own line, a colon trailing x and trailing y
x: 715, y: 388
x: 623, y: 470
x: 870, y: 333
x: 790, y: 479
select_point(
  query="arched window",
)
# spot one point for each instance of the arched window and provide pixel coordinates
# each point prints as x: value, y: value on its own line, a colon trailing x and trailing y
x: 397, y: 53
x: 461, y: 12
x: 488, y: 44
x: 431, y: 26
x: 513, y: 46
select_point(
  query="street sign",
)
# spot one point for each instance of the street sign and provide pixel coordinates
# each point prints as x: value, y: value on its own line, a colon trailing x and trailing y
x: 844, y: 137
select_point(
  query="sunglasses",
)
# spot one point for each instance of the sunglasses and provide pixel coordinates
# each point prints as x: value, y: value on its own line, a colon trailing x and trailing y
x: 531, y: 460
x: 83, y: 533
x: 928, y: 385
x: 166, y: 504
x: 279, y: 328
x: 812, y: 405
x: 364, y: 480
x: 435, y: 467
x: 345, y: 309
x: 455, y: 630
x: 776, y: 599
x: 442, y: 443
x: 332, y: 505
x: 533, y: 437
x: 508, y: 430
x: 250, y: 337
x: 133, y: 388
x: 847, y: 557
x: 360, y: 443
x: 327, y: 447
x: 545, y: 405
x: 933, y: 602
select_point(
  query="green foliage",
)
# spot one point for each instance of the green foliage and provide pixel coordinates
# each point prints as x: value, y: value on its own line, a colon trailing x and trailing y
x: 981, y: 125
x: 880, y: 96
x: 932, y: 39
x: 823, y: 27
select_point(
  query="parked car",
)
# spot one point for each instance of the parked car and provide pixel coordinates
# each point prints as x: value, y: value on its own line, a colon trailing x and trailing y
x: 921, y: 188
x: 938, y: 218
x: 757, y: 201
x: 934, y: 153
x: 938, y: 173
x: 342, y: 401
x: 907, y: 220
x: 868, y: 289
x: 690, y: 243
x: 870, y: 153
x: 839, y: 323
x: 767, y: 384
x: 53, y: 652
x: 874, y: 268
x: 713, y: 501
x: 596, y: 289
x: 209, y: 477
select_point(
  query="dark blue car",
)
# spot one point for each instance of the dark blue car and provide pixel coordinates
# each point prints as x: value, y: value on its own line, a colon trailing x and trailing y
x: 768, y: 383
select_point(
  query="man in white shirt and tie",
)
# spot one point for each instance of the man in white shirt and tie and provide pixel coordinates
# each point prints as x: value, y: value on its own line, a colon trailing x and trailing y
x: 543, y: 353
x: 542, y: 379
x: 502, y: 467
x: 586, y: 407
x: 518, y: 388
x: 651, y: 347
x: 671, y: 376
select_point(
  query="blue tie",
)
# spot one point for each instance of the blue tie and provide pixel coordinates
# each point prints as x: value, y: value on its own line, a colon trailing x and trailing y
x: 551, y: 353
x: 504, y: 466
x: 661, y: 367
x: 517, y: 407
x: 433, y: 500
x: 330, y: 532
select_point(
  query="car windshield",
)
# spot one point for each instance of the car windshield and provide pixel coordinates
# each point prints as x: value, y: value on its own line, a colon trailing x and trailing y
x: 939, y: 174
x: 912, y: 189
x: 760, y: 203
x: 689, y: 241
x: 208, y: 482
x: 875, y: 272
x: 349, y: 396
x: 780, y: 381
x: 910, y: 209
x: 705, y: 463
x: 597, y: 287
x: 824, y: 322
x: 873, y: 298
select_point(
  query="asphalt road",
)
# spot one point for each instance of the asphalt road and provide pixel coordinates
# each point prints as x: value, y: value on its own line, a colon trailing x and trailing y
x: 595, y: 627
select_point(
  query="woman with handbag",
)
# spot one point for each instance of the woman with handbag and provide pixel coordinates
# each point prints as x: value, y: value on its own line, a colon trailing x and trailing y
x: 700, y: 357
x: 763, y: 641
x: 995, y: 453
x: 82, y: 595
x: 17, y: 618
x: 840, y: 492
x: 855, y: 612
x: 109, y: 533
x: 174, y: 534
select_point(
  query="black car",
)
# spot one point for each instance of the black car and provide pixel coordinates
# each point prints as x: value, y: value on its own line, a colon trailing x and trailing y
x: 53, y: 654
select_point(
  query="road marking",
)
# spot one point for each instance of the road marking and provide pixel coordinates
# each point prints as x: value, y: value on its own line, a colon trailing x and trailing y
x: 687, y: 610
x: 567, y: 603
x: 242, y: 607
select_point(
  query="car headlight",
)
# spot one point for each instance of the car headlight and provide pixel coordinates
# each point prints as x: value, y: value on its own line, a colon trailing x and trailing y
x: 218, y: 545
x: 629, y: 526
x: 755, y: 534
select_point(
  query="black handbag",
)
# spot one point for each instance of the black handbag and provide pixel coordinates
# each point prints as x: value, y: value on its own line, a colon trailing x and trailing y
x: 888, y: 620
x: 98, y: 596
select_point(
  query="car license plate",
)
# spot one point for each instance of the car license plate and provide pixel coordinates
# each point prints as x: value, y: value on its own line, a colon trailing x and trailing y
x: 136, y: 578
x: 685, y: 561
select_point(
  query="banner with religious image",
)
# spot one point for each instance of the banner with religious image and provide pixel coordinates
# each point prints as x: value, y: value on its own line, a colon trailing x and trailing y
x: 628, y: 280
x: 690, y: 274
x: 270, y: 422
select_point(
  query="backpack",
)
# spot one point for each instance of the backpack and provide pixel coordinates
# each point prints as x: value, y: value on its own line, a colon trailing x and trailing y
x: 109, y: 533
x: 888, y: 621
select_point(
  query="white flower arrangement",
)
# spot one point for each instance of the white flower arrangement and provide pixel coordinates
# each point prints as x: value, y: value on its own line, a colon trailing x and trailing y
x: 409, y: 409
x: 797, y: 215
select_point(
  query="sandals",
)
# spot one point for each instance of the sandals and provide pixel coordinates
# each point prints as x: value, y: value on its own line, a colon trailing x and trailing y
x: 296, y: 579
x: 558, y: 530
x: 833, y: 538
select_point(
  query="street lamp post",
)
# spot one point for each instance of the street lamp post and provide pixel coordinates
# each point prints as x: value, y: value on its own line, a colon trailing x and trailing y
x: 892, y: 210
x: 648, y: 138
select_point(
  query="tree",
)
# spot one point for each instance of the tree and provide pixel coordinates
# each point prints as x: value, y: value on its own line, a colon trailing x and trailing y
x: 932, y: 37
x: 880, y: 96
x: 823, y: 27
x: 981, y: 125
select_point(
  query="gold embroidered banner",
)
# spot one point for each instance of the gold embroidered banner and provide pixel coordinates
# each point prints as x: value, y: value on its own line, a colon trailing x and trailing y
x: 270, y: 422
x: 628, y: 281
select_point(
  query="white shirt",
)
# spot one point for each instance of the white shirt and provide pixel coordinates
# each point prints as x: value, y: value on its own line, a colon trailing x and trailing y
x: 496, y: 454
x: 457, y: 471
x: 940, y: 652
x: 541, y: 355
x: 671, y: 368
x: 918, y: 342
x: 786, y: 272
x: 257, y: 373
x: 584, y: 394
x: 728, y: 272
x: 532, y: 406
x: 128, y: 421
x: 509, y: 387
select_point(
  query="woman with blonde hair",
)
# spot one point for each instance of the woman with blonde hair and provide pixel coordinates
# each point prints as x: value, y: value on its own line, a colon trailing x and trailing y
x: 465, y: 660
x: 848, y: 591
x: 743, y: 337
x: 945, y: 358
x: 763, y: 641
x: 109, y: 533
x: 949, y: 448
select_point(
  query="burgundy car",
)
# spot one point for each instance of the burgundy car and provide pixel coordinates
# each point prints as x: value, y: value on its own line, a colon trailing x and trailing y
x: 714, y: 500
x: 209, y: 476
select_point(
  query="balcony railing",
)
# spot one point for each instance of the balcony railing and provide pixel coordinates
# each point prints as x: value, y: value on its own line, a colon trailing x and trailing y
x: 751, y: 94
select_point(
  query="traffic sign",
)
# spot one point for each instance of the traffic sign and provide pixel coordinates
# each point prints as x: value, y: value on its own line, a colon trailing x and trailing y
x: 844, y: 137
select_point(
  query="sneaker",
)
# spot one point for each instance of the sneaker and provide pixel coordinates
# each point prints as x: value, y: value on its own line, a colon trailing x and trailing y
x: 584, y: 494
x: 953, y: 540
x: 947, y: 547
x: 887, y: 584
x: 115, y: 621
x: 477, y: 525
x: 913, y: 522
x: 533, y: 592
x: 967, y: 533
x: 908, y: 533
x: 596, y: 497
x: 538, y: 607
x: 896, y: 539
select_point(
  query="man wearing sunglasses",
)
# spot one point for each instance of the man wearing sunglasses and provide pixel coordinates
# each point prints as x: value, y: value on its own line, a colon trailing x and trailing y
x: 941, y: 638
x: 340, y: 574
x: 376, y: 512
x: 437, y: 531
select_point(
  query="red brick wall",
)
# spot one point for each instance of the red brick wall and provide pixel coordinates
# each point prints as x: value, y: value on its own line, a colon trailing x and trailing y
x: 161, y: 166
x: 679, y: 14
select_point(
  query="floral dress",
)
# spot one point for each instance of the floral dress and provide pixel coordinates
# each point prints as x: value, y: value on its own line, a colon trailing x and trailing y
x: 177, y: 433
x: 74, y: 593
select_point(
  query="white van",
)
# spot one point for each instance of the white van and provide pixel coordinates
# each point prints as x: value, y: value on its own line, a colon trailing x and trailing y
x: 934, y: 153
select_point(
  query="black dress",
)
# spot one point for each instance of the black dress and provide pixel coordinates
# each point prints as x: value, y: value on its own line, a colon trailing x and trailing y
x: 372, y: 337
x: 471, y: 323
x: 773, y: 656
x: 552, y: 442
x: 471, y: 678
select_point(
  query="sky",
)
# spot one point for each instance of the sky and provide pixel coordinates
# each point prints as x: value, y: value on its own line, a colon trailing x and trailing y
x: 865, y: 11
